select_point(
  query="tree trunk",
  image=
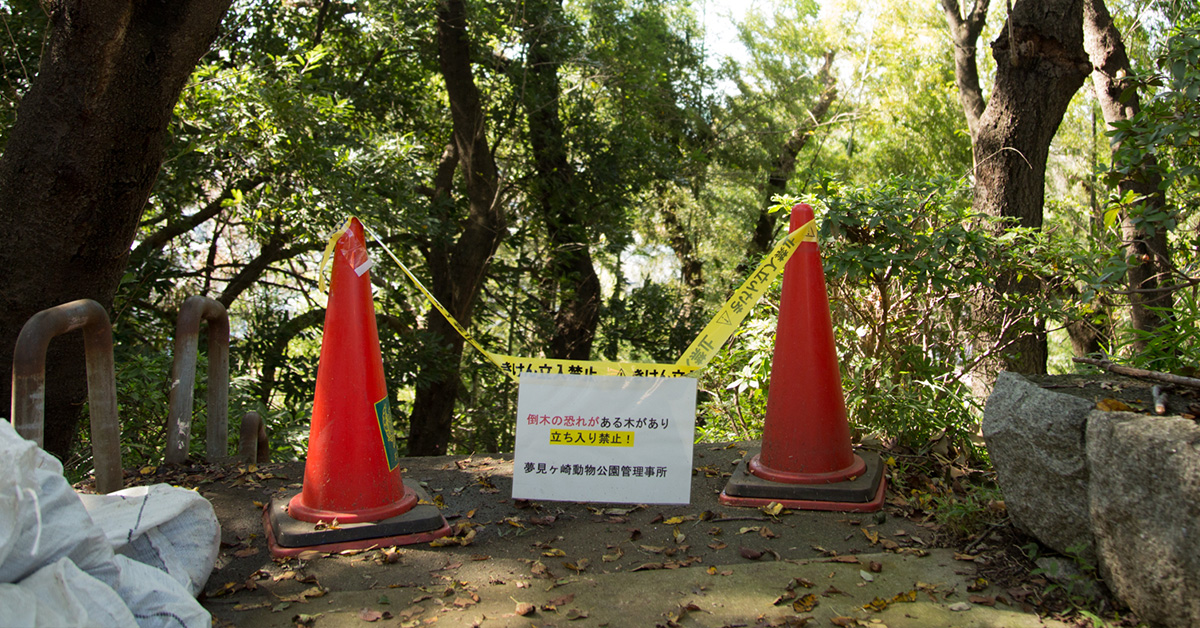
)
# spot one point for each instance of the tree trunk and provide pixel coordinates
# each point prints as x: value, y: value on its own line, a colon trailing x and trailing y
x: 457, y: 271
x: 1146, y: 244
x: 79, y: 165
x: 691, y: 267
x: 1040, y: 64
x: 577, y: 287
x: 965, y: 31
x: 785, y: 167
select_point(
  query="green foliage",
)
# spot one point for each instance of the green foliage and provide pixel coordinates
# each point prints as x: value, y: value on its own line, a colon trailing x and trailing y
x: 1160, y: 142
x: 969, y: 514
x: 305, y: 113
x: 905, y: 263
x: 1077, y: 579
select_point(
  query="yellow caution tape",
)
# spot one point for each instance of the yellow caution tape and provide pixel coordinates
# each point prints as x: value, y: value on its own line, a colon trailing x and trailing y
x: 697, y: 355
x: 735, y: 310
x: 329, y: 247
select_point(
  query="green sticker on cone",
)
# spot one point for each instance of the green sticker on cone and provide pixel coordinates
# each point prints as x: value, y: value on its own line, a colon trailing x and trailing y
x: 387, y: 431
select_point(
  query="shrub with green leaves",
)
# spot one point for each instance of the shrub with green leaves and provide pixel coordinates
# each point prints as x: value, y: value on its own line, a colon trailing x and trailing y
x: 905, y: 264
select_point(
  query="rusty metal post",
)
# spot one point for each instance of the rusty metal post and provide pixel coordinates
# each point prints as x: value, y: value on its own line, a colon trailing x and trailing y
x: 29, y: 382
x: 183, y: 379
x: 254, y: 446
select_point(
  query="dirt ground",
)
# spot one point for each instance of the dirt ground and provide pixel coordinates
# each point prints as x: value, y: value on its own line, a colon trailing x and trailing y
x: 699, y: 564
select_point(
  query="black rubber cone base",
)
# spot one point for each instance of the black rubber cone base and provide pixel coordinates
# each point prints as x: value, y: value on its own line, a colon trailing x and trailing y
x: 288, y: 537
x: 861, y: 494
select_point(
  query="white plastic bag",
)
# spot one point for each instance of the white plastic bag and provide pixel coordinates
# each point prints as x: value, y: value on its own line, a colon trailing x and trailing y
x: 163, y: 526
x: 58, y: 567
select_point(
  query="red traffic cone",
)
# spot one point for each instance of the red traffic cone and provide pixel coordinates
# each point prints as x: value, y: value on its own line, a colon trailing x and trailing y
x: 806, y: 461
x: 352, y: 472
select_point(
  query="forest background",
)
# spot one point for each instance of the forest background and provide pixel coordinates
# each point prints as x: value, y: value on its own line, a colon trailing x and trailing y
x: 997, y: 187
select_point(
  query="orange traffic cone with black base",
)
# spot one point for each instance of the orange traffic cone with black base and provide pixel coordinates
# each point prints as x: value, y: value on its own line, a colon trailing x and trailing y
x: 353, y: 496
x: 806, y: 462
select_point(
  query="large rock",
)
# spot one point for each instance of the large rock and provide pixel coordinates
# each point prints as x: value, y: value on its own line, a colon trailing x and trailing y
x: 1035, y: 438
x: 1145, y: 510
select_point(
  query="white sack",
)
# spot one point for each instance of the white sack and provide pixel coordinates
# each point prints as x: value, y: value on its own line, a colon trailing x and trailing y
x: 58, y: 567
x: 163, y: 526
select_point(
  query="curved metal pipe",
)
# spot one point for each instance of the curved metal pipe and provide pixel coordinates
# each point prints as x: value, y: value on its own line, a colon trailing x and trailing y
x: 29, y: 382
x: 183, y: 379
x: 254, y: 446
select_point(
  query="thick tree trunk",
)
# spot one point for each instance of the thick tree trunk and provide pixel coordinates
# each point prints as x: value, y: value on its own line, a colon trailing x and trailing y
x: 457, y: 271
x: 79, y: 165
x: 1040, y: 65
x: 577, y: 287
x: 1145, y: 244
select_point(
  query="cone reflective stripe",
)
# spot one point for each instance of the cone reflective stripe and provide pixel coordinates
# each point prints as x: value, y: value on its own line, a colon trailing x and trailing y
x: 807, y: 460
x: 352, y: 473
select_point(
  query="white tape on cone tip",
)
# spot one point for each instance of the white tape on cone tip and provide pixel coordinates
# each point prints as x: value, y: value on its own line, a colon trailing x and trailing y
x: 364, y: 267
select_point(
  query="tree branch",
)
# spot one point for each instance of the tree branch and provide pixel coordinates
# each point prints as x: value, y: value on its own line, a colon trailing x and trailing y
x: 1168, y: 378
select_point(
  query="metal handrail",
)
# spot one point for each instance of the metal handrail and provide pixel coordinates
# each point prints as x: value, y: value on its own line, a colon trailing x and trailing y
x: 29, y: 382
x: 183, y: 380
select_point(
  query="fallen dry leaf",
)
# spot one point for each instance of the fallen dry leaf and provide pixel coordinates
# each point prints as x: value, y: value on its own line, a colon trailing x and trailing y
x: 525, y: 609
x: 1113, y: 405
x: 801, y: 582
x: 369, y: 615
x: 805, y: 604
x: 876, y: 605
x: 616, y: 555
x: 303, y: 596
x: 750, y: 554
x: 304, y: 619
x: 562, y: 601
x: 785, y: 598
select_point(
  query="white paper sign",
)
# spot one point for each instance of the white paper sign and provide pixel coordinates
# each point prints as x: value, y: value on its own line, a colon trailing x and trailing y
x: 624, y: 440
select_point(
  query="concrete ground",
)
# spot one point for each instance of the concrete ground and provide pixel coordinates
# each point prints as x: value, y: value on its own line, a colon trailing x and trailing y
x: 559, y: 564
